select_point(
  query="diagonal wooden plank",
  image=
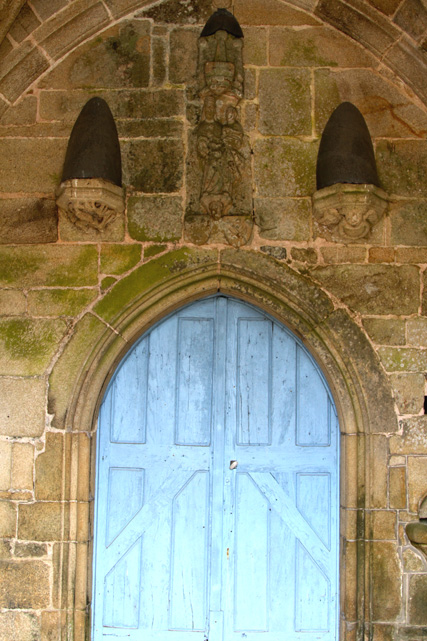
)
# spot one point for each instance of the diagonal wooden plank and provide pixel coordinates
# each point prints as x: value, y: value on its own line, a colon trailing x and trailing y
x: 288, y: 512
x: 147, y: 516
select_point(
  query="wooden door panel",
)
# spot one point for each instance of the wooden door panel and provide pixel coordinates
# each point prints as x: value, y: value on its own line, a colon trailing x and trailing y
x: 187, y: 547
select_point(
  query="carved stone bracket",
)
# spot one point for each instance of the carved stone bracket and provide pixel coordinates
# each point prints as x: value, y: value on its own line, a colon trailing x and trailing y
x: 416, y: 531
x: 90, y: 203
x: 348, y: 212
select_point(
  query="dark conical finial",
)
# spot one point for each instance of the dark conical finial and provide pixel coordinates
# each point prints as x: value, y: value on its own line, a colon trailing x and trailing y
x: 346, y: 154
x: 222, y: 20
x: 93, y: 149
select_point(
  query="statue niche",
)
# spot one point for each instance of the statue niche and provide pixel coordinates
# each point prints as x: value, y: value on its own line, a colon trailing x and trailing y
x: 219, y: 207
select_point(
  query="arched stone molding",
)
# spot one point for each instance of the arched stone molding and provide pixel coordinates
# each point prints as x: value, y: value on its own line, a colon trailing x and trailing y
x: 57, y: 36
x: 102, y: 337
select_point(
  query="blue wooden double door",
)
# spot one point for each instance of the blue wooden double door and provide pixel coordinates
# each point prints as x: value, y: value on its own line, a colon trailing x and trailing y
x: 217, y: 491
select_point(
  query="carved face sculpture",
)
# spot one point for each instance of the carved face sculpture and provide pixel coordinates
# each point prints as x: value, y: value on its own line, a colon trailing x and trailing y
x: 219, y: 85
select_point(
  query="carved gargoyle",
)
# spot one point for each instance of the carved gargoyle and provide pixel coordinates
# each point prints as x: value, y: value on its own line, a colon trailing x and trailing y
x: 217, y: 181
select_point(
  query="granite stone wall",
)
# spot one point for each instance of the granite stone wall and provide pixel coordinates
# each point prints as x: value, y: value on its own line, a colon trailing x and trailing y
x: 64, y: 290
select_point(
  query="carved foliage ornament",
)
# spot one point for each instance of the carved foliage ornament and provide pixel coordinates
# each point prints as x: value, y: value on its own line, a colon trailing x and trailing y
x: 219, y: 207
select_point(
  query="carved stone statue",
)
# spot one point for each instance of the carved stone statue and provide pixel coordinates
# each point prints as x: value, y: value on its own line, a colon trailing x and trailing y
x: 218, y: 175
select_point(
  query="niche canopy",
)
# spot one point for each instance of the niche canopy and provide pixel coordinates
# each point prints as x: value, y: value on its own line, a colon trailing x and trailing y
x: 90, y: 194
x: 348, y: 201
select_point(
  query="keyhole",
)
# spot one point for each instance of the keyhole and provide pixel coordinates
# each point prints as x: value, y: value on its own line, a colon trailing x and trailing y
x: 233, y: 465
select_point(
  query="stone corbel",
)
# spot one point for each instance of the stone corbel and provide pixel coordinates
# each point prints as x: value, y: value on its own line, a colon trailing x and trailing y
x: 90, y: 203
x: 348, y: 212
x: 416, y: 531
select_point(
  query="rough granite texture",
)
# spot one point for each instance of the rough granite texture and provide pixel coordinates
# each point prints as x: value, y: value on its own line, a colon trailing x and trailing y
x: 68, y: 297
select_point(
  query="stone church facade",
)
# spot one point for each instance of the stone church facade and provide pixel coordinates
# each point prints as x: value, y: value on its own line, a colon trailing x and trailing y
x: 219, y: 138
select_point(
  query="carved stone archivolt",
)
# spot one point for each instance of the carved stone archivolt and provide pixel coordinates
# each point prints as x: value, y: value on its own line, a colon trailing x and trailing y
x: 219, y: 202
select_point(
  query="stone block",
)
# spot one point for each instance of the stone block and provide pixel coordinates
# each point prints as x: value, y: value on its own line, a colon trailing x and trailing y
x: 153, y: 250
x: 336, y: 255
x: 51, y: 625
x: 270, y: 12
x: 381, y: 525
x: 183, y: 55
x: 284, y: 167
x: 12, y: 302
x: 74, y: 24
x: 22, y: 406
x: 159, y: 56
x: 45, y: 10
x: 20, y: 68
x: 121, y: 7
x: 180, y: 12
x: 153, y: 166
x: 381, y: 254
x: 403, y: 359
x: 7, y: 520
x: 386, y: 582
x: 255, y: 46
x: 21, y: 173
x: 412, y: 18
x: 60, y: 302
x: 377, y: 491
x: 117, y: 58
x: 150, y: 129
x: 390, y: 331
x: 279, y: 253
x: 411, y: 255
x: 6, y: 464
x: 28, y: 220
x: 315, y: 47
x: 284, y: 102
x: 49, y: 468
x: 22, y: 626
x: 365, y: 26
x: 413, y: 561
x: 373, y: 289
x: 413, y: 439
x: 141, y: 104
x: 27, y: 345
x: 70, y: 365
x: 397, y: 488
x: 24, y: 24
x: 155, y: 218
x: 49, y: 265
x: 408, y: 62
x: 417, y: 480
x: 388, y: 7
x: 23, y: 550
x: 388, y: 112
x: 408, y: 223
x: 417, y: 604
x: 408, y: 392
x: 40, y: 521
x: 23, y: 113
x: 401, y: 168
x: 117, y: 259
x: 417, y: 331
x: 283, y: 219
x: 24, y: 584
x: 304, y: 255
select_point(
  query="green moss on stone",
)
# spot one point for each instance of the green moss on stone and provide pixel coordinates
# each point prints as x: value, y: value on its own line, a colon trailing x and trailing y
x: 117, y: 259
x: 60, y: 302
x: 107, y: 282
x: 147, y: 276
x: 51, y: 265
x: 27, y: 345
x: 151, y: 251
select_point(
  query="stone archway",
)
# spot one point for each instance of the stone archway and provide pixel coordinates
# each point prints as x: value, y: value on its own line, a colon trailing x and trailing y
x: 358, y: 383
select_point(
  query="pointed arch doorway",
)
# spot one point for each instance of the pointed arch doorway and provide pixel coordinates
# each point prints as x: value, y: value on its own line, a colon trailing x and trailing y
x: 217, y: 485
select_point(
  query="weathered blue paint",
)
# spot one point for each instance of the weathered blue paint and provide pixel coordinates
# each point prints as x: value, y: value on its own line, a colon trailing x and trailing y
x: 185, y: 547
